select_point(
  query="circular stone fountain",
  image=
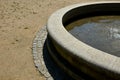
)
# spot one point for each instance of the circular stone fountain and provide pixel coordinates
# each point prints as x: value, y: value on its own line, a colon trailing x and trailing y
x: 91, y: 54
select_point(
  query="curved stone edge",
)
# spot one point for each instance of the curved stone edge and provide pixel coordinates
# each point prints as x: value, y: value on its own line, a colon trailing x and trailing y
x: 56, y: 31
x: 37, y: 51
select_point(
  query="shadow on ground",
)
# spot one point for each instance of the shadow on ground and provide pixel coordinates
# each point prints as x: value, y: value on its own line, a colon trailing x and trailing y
x: 56, y: 72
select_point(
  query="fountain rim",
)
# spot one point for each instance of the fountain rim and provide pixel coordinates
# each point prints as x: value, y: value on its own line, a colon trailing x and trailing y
x: 62, y: 37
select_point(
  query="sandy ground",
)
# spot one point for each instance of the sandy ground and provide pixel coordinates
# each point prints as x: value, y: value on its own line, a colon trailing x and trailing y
x: 19, y: 22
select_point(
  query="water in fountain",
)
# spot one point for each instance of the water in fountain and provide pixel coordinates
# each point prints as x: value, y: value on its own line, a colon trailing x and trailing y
x: 101, y: 32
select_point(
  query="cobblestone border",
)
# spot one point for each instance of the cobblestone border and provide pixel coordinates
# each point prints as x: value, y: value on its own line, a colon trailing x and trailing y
x: 38, y: 52
x: 43, y: 61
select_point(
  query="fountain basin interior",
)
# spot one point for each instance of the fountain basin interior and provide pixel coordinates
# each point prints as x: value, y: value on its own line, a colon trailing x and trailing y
x: 100, y: 32
x: 90, y: 58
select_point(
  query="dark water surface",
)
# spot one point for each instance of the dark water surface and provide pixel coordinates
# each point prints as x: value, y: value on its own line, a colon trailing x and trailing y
x: 101, y: 32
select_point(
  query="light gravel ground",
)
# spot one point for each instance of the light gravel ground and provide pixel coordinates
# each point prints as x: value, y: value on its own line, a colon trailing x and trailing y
x: 19, y: 22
